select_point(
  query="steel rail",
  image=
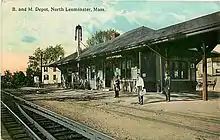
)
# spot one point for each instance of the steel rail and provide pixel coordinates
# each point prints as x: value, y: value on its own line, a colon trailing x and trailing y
x: 40, y: 128
x: 77, y: 127
x: 68, y: 123
x: 34, y: 136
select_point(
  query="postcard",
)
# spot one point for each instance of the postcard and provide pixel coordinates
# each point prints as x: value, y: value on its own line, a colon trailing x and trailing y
x: 128, y: 69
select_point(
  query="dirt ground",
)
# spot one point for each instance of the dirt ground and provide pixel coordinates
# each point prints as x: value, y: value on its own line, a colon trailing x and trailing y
x: 186, y: 117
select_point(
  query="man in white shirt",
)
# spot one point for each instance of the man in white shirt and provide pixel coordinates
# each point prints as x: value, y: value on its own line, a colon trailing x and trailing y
x: 140, y: 88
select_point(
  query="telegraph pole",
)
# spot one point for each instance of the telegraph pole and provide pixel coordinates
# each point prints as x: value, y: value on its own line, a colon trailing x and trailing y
x: 161, y: 75
x: 204, y: 62
x: 166, y: 63
x: 139, y: 57
x: 41, y: 64
x: 78, y: 35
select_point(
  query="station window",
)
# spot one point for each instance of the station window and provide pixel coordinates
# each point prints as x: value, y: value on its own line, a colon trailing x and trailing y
x: 179, y: 70
x: 128, y: 73
x: 123, y: 67
x: 54, y: 69
x: 128, y: 70
x: 93, y: 72
x: 128, y: 64
x: 83, y: 72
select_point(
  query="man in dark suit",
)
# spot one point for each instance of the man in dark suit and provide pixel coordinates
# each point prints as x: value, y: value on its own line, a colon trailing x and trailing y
x: 117, y: 86
x: 167, y: 86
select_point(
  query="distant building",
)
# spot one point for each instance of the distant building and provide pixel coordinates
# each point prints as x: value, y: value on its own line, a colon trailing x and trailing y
x: 51, y: 75
x: 213, y: 67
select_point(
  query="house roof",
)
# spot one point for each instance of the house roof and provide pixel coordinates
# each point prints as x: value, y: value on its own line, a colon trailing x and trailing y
x: 67, y: 59
x: 217, y: 49
x: 216, y: 52
x: 110, y: 45
x: 63, y: 60
x: 195, y: 26
x: 119, y: 42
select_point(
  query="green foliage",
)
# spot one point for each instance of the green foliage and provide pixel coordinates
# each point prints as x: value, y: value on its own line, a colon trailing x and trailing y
x: 8, y: 76
x: 6, y: 80
x: 18, y: 79
x: 48, y: 55
x: 34, y: 61
x: 101, y: 37
x: 52, y: 54
x: 29, y: 77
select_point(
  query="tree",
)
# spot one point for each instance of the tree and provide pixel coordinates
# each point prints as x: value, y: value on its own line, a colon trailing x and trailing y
x: 29, y: 77
x: 34, y: 61
x: 18, y: 79
x: 52, y: 54
x: 6, y: 79
x: 49, y: 55
x: 101, y: 37
x: 8, y: 76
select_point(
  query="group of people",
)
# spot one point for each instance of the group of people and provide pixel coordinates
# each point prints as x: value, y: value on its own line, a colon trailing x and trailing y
x: 140, y: 87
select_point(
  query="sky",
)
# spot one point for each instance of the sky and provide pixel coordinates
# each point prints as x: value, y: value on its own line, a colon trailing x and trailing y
x: 24, y: 31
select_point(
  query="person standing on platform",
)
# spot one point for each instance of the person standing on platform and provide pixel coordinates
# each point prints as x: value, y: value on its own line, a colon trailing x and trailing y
x: 117, y: 86
x: 140, y: 88
x: 167, y: 87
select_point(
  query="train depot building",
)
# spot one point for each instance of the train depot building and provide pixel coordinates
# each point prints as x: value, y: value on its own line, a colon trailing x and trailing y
x: 176, y: 50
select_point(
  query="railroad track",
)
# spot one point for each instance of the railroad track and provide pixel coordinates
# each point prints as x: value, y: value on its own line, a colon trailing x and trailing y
x: 43, y: 123
x: 203, y: 124
x: 16, y: 128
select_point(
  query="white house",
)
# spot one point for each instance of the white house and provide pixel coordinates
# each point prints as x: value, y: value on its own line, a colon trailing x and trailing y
x: 51, y: 75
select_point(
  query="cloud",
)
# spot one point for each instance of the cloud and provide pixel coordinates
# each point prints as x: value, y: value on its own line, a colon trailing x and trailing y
x: 28, y: 39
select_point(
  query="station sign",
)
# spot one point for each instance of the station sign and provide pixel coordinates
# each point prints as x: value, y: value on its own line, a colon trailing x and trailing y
x: 114, y: 56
